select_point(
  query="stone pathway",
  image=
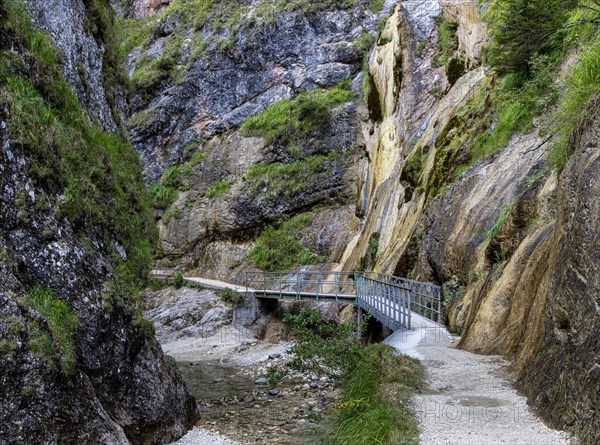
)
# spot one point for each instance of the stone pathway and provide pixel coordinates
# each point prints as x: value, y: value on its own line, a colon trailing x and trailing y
x: 468, y: 399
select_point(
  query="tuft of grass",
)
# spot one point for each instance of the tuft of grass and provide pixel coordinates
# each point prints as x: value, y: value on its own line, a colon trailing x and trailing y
x: 162, y: 197
x: 217, y: 189
x: 62, y: 321
x: 231, y: 296
x: 583, y: 84
x: 174, y: 212
x: 376, y: 383
x: 375, y: 395
x: 281, y: 249
x: 193, y: 162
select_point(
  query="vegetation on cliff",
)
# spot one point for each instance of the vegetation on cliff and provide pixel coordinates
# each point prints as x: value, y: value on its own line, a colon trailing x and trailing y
x: 281, y: 249
x: 288, y: 122
x: 530, y: 41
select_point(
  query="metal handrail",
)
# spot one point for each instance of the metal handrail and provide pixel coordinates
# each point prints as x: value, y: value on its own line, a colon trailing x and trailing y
x: 389, y: 298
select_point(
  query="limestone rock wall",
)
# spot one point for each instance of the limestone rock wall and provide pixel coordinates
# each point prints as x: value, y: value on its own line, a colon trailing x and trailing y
x: 513, y: 244
x: 120, y: 388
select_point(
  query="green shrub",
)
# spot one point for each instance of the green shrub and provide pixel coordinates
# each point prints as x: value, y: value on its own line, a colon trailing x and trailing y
x: 364, y: 42
x: 281, y: 249
x: 376, y: 5
x: 231, y: 296
x: 413, y: 166
x: 289, y: 121
x: 448, y: 40
x: 178, y: 280
x: 62, y: 321
x: 368, y: 261
x: 144, y: 326
x: 521, y: 29
x: 323, y: 346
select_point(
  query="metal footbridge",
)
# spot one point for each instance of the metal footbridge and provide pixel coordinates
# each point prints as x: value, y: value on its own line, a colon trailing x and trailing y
x: 389, y: 299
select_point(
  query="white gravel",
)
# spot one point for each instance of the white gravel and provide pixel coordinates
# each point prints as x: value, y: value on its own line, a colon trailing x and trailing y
x: 227, y: 345
x: 199, y: 436
x: 468, y: 399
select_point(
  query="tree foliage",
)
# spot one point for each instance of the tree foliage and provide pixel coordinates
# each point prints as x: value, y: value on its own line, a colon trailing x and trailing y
x: 522, y: 28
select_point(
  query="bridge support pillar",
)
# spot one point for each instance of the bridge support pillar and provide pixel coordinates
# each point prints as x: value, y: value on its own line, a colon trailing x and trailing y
x: 359, y: 322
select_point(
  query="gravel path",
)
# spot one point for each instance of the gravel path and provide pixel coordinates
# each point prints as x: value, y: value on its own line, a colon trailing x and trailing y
x: 468, y: 399
x: 198, y: 436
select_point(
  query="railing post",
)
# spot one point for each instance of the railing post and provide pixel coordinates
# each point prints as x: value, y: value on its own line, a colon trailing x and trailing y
x: 397, y: 316
x: 403, y: 307
x: 279, y: 278
x: 388, y: 301
x: 439, y: 305
x: 335, y: 283
x: 409, y: 311
x: 318, y: 284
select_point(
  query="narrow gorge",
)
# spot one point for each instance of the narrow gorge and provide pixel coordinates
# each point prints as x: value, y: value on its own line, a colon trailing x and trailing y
x: 449, y: 142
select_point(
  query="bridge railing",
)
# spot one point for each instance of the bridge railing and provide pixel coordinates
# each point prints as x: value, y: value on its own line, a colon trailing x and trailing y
x: 394, y: 298
x: 299, y: 284
x: 390, y: 299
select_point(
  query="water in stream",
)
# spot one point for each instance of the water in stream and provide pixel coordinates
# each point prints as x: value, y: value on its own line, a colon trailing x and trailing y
x: 253, y: 415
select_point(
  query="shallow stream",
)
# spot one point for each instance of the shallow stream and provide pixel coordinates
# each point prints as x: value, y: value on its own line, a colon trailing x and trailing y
x: 233, y: 405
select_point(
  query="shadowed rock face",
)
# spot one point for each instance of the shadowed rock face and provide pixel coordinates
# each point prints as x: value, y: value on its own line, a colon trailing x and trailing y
x: 563, y: 378
x: 122, y: 389
x: 222, y: 89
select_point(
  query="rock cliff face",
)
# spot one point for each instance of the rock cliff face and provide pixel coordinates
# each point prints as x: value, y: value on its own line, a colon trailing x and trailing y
x: 191, y: 115
x: 78, y: 365
x: 507, y: 238
x: 512, y: 241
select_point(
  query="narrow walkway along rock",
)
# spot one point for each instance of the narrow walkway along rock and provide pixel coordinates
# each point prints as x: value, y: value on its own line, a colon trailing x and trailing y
x: 468, y: 398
